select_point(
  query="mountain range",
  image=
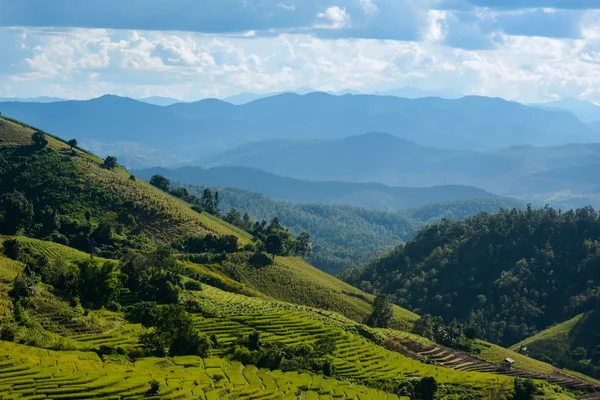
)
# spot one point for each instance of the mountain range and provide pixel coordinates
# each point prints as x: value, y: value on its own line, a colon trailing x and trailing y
x: 369, y: 195
x: 193, y: 130
x: 564, y: 175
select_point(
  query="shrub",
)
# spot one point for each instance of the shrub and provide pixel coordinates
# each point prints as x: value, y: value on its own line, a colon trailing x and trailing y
x: 193, y: 286
x: 259, y: 260
x: 154, y: 388
x: 110, y: 162
x: 8, y: 333
x: 145, y: 313
x: 11, y: 249
x: 525, y: 389
x: 426, y: 388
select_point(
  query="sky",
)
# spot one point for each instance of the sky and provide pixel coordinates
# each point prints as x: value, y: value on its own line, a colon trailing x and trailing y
x: 524, y: 50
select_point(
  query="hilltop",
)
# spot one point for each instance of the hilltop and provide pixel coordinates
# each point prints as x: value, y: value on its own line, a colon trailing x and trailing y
x: 182, y: 313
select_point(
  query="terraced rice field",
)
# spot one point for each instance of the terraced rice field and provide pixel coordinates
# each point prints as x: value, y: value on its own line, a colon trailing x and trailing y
x: 356, y: 358
x: 50, y: 250
x: 466, y: 363
x: 29, y: 373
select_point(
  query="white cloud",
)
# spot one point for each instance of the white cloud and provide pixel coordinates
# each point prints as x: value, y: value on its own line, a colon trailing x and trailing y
x: 369, y: 7
x: 85, y: 63
x: 288, y: 7
x: 337, y: 16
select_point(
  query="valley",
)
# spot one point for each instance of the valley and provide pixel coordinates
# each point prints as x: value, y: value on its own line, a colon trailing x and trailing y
x: 89, y: 265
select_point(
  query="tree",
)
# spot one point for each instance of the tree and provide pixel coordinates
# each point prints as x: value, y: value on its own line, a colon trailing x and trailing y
x: 16, y: 213
x: 216, y: 204
x: 580, y: 353
x: 110, y: 162
x: 39, y: 139
x: 525, y: 389
x: 160, y: 182
x: 234, y: 217
x: 382, y: 313
x: 303, y: 245
x: 246, y: 222
x: 275, y: 225
x: 471, y: 332
x: 73, y: 143
x: 154, y: 388
x: 274, y: 245
x: 207, y: 201
x: 426, y: 388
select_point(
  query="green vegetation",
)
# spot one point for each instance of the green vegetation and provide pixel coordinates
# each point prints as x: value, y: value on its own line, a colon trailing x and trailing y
x: 193, y: 313
x: 344, y: 236
x: 67, y: 197
x: 573, y: 344
x: 508, y: 275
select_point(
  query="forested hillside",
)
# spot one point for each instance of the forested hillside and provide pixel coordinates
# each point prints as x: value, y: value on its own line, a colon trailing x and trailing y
x: 508, y: 275
x: 345, y: 236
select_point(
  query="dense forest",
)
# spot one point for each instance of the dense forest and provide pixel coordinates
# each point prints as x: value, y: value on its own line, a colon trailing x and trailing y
x: 507, y: 275
x: 345, y: 236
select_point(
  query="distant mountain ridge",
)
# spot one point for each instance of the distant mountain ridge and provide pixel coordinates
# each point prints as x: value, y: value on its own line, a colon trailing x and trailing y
x: 369, y: 195
x: 586, y: 111
x: 562, y: 175
x: 191, y: 130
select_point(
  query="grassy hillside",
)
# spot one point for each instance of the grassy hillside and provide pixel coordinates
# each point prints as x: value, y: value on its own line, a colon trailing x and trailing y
x: 573, y: 344
x: 75, y: 200
x: 364, y: 364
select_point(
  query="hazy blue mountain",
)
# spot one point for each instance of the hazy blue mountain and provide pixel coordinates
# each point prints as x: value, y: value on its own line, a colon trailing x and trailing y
x: 31, y: 99
x: 246, y: 97
x: 550, y: 174
x: 411, y: 92
x: 595, y: 126
x: 191, y: 130
x: 368, y: 195
x: 372, y: 157
x: 159, y: 101
x: 584, y: 110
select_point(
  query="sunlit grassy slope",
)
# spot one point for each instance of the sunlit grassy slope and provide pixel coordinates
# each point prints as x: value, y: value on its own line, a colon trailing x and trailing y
x: 31, y: 373
x: 164, y: 217
x: 565, y: 342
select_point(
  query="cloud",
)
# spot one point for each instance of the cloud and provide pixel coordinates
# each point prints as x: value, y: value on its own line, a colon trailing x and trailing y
x: 519, y: 4
x: 338, y: 18
x: 264, y: 17
x: 85, y: 63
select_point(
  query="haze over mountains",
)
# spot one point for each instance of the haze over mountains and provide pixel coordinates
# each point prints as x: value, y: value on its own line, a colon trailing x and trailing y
x: 541, y: 153
x: 369, y: 195
x: 191, y: 130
